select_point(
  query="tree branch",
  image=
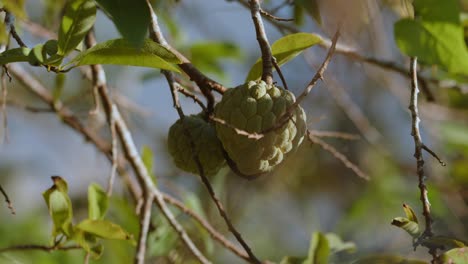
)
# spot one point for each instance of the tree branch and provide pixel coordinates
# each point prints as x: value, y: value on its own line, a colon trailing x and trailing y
x: 39, y: 247
x: 204, y: 179
x: 133, y: 156
x: 145, y: 221
x: 267, y: 57
x: 204, y: 83
x: 418, y: 150
x: 7, y: 200
x: 315, y: 140
x: 72, y: 121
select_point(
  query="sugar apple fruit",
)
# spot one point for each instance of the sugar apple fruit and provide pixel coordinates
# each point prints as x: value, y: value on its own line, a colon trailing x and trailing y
x: 255, y: 107
x: 206, y: 145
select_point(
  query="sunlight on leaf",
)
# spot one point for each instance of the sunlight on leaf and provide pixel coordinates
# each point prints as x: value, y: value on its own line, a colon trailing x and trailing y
x: 97, y: 202
x: 285, y: 49
x: 78, y: 19
x: 120, y: 52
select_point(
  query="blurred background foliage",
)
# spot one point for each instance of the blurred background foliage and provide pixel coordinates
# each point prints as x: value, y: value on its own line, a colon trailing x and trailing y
x: 311, y: 192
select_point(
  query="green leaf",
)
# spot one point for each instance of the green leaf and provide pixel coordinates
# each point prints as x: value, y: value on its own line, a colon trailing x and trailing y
x: 336, y: 244
x: 319, y: 250
x: 131, y: 18
x: 410, y: 213
x: 58, y: 87
x: 207, y: 55
x: 285, y: 49
x: 147, y: 156
x: 443, y: 242
x: 103, y: 229
x: 387, y: 259
x: 120, y: 52
x: 16, y: 7
x: 14, y: 55
x: 437, y: 11
x: 78, y: 19
x: 435, y: 38
x: 455, y: 256
x: 311, y: 6
x: 409, y: 226
x: 97, y: 202
x: 88, y: 243
x: 298, y: 12
x: 36, y: 57
x: 292, y: 260
x: 3, y: 34
x: 60, y: 207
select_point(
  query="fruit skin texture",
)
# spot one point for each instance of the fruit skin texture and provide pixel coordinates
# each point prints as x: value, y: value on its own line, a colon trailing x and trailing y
x: 206, y: 144
x: 255, y: 107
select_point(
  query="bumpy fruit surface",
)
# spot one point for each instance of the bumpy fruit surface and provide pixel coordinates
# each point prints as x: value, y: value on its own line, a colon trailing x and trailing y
x: 206, y: 145
x: 256, y: 107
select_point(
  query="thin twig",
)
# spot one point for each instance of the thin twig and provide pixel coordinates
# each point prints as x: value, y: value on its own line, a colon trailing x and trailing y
x: 39, y: 247
x: 418, y: 149
x: 282, y: 120
x: 267, y: 71
x: 115, y: 154
x: 352, y: 111
x: 280, y: 73
x: 205, y: 84
x: 207, y: 226
x: 269, y: 15
x: 72, y: 121
x: 196, y: 158
x: 334, y: 134
x: 189, y: 94
x: 352, y: 54
x: 10, y: 23
x: 96, y: 107
x: 4, y: 108
x: 7, y: 200
x: 145, y: 220
x: 315, y: 140
x: 157, y: 36
x: 131, y: 152
x: 86, y: 258
x: 237, y: 130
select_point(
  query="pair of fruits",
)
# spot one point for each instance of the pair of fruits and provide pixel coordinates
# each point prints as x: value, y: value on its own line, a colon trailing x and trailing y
x: 254, y: 107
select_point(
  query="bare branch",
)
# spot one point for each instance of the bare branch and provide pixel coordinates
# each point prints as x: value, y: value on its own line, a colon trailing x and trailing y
x: 318, y: 76
x: 10, y: 23
x: 114, y: 151
x: 206, y: 225
x: 269, y: 15
x: 189, y: 94
x: 280, y: 73
x: 72, y: 121
x: 352, y: 54
x: 172, y: 85
x: 7, y: 200
x: 334, y: 134
x: 4, y: 109
x: 237, y: 130
x: 133, y: 156
x: 267, y: 58
x: 418, y: 149
x: 145, y: 221
x: 315, y: 140
x: 206, y: 84
x: 39, y: 247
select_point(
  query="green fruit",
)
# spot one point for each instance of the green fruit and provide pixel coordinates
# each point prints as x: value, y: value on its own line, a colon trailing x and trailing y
x: 206, y: 145
x: 255, y: 107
